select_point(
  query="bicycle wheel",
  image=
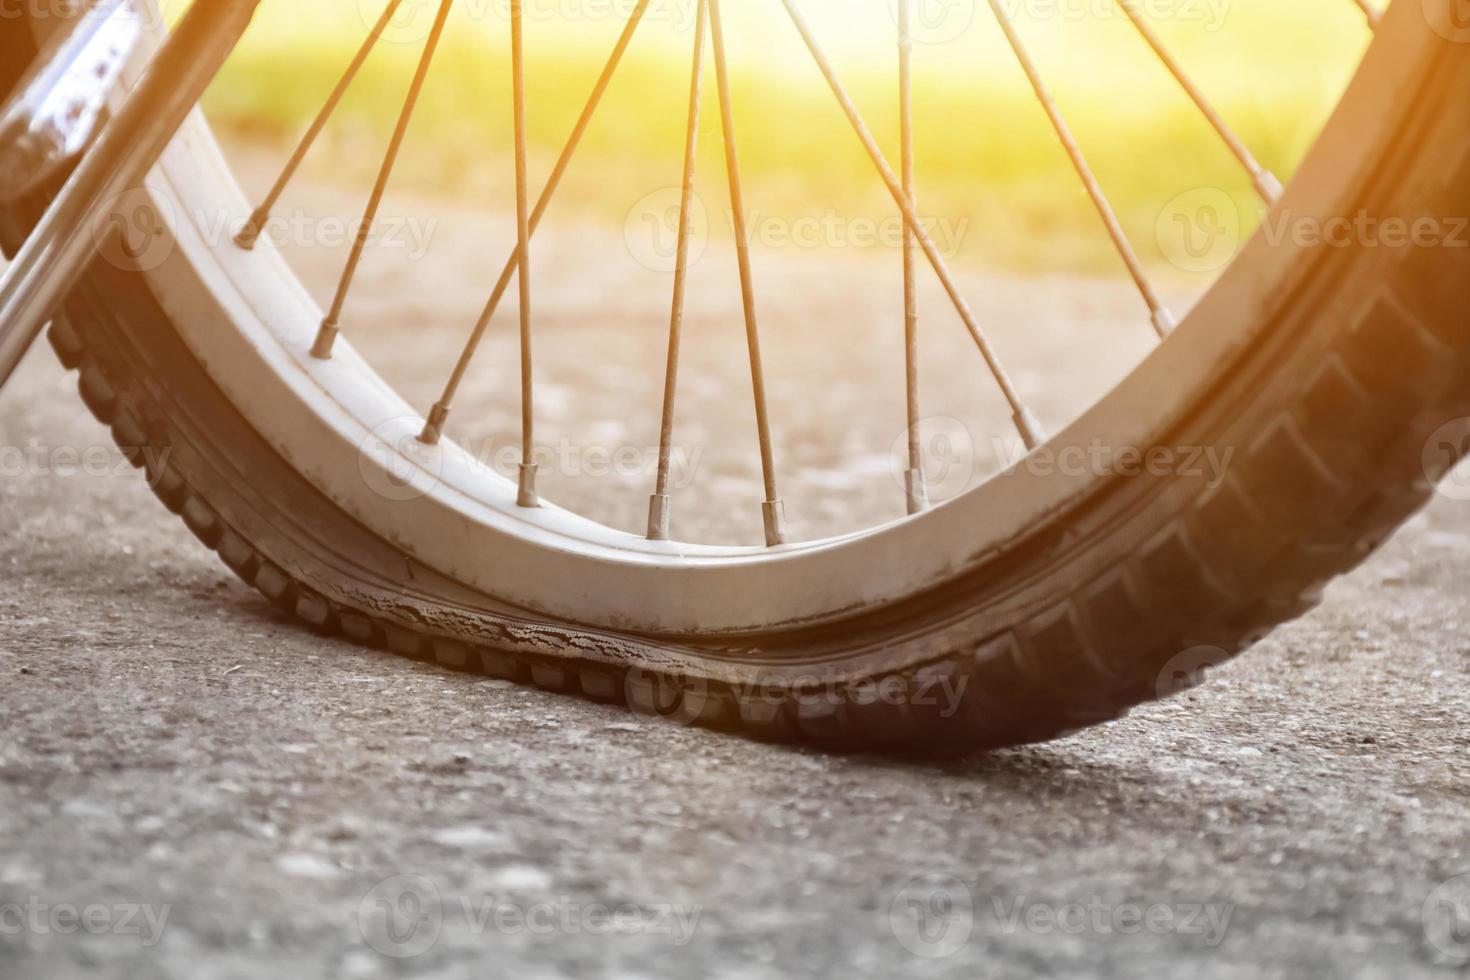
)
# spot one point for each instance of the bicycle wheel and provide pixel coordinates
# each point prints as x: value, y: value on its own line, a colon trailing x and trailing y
x: 1035, y: 604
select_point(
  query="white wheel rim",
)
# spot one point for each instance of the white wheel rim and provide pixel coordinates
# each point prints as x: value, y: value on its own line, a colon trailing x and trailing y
x: 250, y: 323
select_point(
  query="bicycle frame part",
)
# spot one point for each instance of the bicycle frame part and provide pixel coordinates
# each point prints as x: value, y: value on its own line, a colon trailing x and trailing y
x: 61, y: 102
x: 63, y: 244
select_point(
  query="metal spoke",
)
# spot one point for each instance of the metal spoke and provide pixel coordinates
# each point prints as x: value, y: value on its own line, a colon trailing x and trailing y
x: 439, y: 415
x: 1163, y: 320
x: 1264, y: 181
x: 261, y: 215
x: 526, y: 495
x: 1025, y: 422
x: 1371, y: 12
x: 327, y: 333
x: 915, y: 491
x: 660, y: 506
x: 773, y: 509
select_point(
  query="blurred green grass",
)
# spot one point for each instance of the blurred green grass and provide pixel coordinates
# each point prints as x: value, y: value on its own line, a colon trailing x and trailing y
x: 986, y: 157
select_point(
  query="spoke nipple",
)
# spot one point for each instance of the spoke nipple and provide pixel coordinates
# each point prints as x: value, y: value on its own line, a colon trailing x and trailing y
x: 1164, y: 322
x: 434, y: 427
x: 917, y: 489
x: 1031, y: 431
x: 250, y: 234
x: 774, y: 512
x: 1268, y: 187
x: 660, y: 510
x: 526, y: 497
x: 326, y: 338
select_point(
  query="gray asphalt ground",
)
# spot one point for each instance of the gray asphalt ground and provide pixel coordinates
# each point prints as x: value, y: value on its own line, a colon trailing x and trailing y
x: 193, y: 787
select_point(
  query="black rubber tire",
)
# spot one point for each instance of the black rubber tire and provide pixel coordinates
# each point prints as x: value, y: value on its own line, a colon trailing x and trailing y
x: 1071, y: 626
